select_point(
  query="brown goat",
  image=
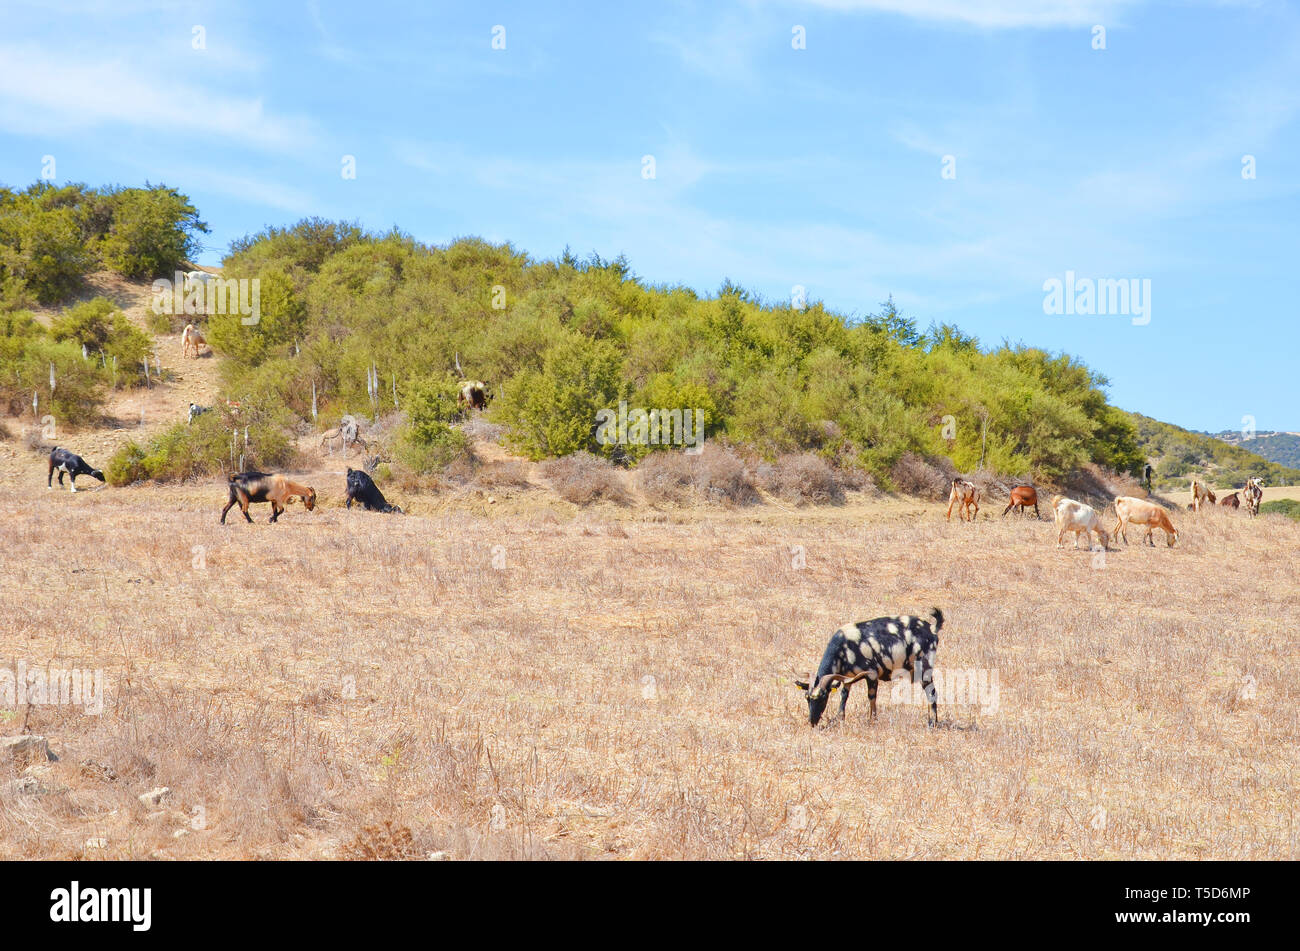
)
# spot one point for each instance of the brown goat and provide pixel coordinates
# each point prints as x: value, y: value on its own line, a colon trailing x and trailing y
x: 1022, y: 496
x: 250, y: 487
x: 966, y: 497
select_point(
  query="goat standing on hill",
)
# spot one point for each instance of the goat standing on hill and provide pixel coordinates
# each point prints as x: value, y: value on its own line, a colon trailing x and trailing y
x: 191, y: 337
x: 966, y: 496
x: 249, y: 487
x: 473, y: 394
x: 1253, y: 492
x: 349, y: 430
x: 873, y: 651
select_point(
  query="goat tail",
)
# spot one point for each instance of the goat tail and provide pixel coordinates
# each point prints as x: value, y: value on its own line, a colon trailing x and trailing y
x: 938, y: 619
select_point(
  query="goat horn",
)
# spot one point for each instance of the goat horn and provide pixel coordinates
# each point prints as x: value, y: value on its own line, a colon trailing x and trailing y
x: 847, y: 680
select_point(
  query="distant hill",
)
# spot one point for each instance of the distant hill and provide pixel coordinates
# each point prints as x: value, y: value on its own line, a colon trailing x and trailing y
x: 1179, y: 455
x: 1280, y: 447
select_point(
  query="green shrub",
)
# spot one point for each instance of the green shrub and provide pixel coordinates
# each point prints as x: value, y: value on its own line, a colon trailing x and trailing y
x: 51, y: 257
x: 427, y: 443
x: 1288, y: 507
x: 152, y: 232
x: 212, y: 444
x: 101, y: 327
x: 52, y: 236
x: 280, y: 319
x: 552, y: 411
x: 27, y: 354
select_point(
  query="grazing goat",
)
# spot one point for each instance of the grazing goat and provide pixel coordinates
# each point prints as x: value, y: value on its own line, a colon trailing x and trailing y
x: 1232, y: 501
x: 1254, y: 491
x: 64, y: 461
x: 191, y: 337
x: 196, y: 410
x: 1080, y: 518
x: 363, y: 489
x: 874, y: 650
x: 473, y: 394
x: 250, y: 487
x: 1022, y: 496
x: 966, y: 497
x: 1200, y: 495
x: 349, y: 430
x: 1142, y: 512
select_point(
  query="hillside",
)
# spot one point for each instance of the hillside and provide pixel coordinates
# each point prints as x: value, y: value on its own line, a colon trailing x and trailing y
x: 383, y: 327
x: 1280, y: 447
x: 1178, y: 455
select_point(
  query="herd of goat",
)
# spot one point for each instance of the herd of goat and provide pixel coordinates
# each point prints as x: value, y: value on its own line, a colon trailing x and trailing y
x: 872, y: 650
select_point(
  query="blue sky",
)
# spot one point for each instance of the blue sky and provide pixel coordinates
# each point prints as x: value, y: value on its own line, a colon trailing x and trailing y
x: 774, y: 166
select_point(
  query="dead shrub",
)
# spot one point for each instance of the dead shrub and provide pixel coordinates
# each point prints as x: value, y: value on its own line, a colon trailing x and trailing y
x: 802, y: 478
x: 383, y: 842
x: 476, y: 427
x: 717, y: 474
x: 504, y: 473
x: 924, y: 477
x: 582, y: 479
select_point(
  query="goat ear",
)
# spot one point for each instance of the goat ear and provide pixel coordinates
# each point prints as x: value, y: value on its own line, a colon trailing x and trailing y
x: 801, y: 684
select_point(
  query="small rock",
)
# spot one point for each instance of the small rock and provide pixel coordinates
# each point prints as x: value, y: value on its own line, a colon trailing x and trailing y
x: 437, y: 856
x: 26, y: 786
x: 95, y: 770
x: 155, y: 797
x: 29, y: 747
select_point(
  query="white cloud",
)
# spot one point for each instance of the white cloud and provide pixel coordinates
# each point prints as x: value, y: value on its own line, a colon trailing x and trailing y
x: 44, y: 92
x: 990, y: 13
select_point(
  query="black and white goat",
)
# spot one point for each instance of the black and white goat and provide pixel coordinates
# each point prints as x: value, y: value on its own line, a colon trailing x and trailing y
x: 196, y: 410
x: 362, y: 488
x: 873, y: 651
x: 63, y: 461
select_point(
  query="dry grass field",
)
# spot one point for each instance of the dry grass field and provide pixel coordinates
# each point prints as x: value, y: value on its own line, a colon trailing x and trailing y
x: 528, y: 680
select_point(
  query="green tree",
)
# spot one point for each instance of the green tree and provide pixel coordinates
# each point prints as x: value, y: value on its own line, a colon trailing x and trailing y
x: 153, y: 231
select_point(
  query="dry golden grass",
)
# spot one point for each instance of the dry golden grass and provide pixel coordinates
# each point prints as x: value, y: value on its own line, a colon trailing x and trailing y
x: 523, y: 680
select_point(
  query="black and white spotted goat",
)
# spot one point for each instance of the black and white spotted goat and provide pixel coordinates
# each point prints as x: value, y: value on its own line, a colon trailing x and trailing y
x: 63, y: 461
x: 196, y: 410
x: 873, y: 651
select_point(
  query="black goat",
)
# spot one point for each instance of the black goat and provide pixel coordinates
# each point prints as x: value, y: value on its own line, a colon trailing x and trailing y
x: 874, y: 650
x: 363, y: 489
x: 71, y: 463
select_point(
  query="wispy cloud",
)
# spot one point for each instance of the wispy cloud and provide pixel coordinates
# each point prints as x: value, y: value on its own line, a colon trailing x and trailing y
x: 1002, y: 14
x: 48, y: 91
